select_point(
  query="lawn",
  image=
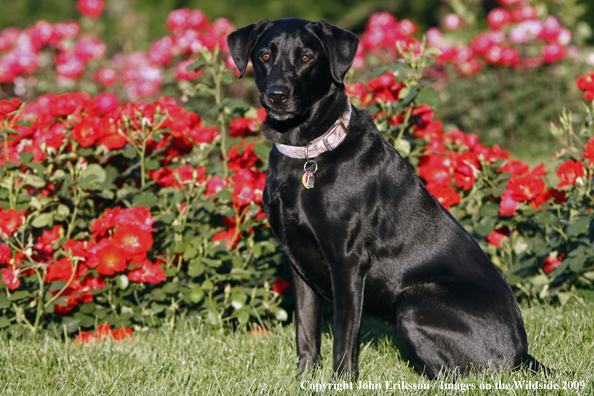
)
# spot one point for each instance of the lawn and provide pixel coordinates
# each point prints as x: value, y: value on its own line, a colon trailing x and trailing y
x: 192, y: 359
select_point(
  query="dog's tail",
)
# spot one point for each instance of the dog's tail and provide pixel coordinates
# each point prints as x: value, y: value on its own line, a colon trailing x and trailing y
x: 533, y: 366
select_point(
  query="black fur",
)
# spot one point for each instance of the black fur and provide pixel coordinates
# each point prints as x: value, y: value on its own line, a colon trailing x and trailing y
x: 369, y: 236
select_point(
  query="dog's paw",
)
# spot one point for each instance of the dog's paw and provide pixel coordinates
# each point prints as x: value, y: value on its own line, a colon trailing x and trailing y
x: 307, y: 363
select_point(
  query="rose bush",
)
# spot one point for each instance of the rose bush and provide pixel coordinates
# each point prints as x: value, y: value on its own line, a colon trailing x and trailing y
x: 129, y: 217
x: 133, y: 215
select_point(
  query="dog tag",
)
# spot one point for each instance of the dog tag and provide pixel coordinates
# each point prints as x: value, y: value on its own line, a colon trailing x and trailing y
x: 308, y: 180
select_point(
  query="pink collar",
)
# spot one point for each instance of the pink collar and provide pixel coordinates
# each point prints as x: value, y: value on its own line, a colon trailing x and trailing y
x: 327, y: 142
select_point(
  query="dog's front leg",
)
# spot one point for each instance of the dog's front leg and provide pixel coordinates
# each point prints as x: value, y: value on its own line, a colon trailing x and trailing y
x: 309, y: 322
x: 347, y: 289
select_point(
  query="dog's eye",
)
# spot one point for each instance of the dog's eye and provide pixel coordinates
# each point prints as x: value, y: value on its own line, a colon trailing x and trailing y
x: 265, y: 57
x: 305, y: 59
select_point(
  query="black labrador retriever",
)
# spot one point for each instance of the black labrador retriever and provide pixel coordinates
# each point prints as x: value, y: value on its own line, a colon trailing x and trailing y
x: 357, y: 224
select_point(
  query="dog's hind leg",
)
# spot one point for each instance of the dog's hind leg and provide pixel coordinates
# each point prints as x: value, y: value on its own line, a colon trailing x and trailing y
x: 309, y: 322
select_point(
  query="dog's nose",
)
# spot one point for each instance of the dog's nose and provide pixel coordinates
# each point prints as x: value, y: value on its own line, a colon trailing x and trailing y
x: 277, y: 95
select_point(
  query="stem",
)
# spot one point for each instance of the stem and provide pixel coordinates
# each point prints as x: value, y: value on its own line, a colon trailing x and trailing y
x: 40, y: 305
x: 65, y: 286
x: 142, y: 164
x: 218, y: 77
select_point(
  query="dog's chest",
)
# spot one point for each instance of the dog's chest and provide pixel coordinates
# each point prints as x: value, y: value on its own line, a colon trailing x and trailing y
x: 289, y: 212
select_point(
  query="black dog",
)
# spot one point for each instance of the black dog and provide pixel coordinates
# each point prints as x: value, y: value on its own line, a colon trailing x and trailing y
x: 367, y: 236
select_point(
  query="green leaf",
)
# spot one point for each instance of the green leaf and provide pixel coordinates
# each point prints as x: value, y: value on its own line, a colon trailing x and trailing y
x: 87, y: 308
x: 196, y: 269
x: 243, y: 317
x: 213, y: 318
x: 25, y: 158
x: 152, y: 164
x: 158, y: 308
x: 262, y: 150
x: 4, y: 303
x: 430, y: 97
x: 223, y: 194
x: 489, y: 209
x: 433, y: 51
x: 11, y: 165
x: 42, y: 220
x: 130, y: 152
x: 63, y: 210
x: 85, y: 151
x: 92, y: 177
x: 195, y: 66
x: 196, y: 294
x: 122, y: 281
x: 579, y: 226
x: 403, y: 147
x: 577, y: 263
x: 146, y: 199
x: 38, y: 168
x: 238, y: 299
x: 190, y: 253
x: 71, y: 324
x: 410, y: 97
x: 280, y: 314
x: 587, y: 295
x: 167, y: 218
x: 170, y: 288
x: 4, y: 322
x: 485, y: 226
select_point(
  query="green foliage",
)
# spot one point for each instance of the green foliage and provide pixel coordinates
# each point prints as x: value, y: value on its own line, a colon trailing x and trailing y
x: 511, y: 108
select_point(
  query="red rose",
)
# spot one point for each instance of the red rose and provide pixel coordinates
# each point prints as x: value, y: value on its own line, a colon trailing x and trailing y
x: 84, y: 337
x: 550, y: 263
x: 60, y: 270
x: 589, y: 151
x: 103, y: 331
x: 246, y: 159
x: 111, y: 259
x: 7, y: 107
x: 90, y: 8
x: 525, y: 188
x: 570, y: 172
x: 148, y: 273
x: 133, y: 239
x: 508, y: 205
x: 378, y: 84
x: 214, y: 185
x: 281, y: 286
x: 242, y: 127
x: 229, y: 237
x: 10, y: 220
x: 121, y: 334
x: 247, y: 187
x: 498, y: 18
x: 88, y: 131
x: 515, y: 167
x: 446, y: 195
x: 5, y: 254
x: 464, y: 176
x: 10, y: 278
x: 497, y: 236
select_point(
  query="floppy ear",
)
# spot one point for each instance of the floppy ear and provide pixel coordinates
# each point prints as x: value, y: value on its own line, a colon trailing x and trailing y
x: 341, y: 47
x: 242, y: 41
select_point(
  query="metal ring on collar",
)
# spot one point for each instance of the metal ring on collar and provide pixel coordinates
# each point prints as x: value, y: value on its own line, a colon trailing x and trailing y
x: 308, y: 162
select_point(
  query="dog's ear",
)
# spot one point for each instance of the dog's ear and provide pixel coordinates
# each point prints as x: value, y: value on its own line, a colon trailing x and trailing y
x: 341, y: 47
x: 242, y: 41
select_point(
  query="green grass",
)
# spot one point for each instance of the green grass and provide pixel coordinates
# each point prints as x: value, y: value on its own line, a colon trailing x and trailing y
x: 194, y: 360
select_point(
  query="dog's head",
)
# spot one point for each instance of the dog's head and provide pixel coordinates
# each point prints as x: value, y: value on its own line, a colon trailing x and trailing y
x: 296, y: 62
